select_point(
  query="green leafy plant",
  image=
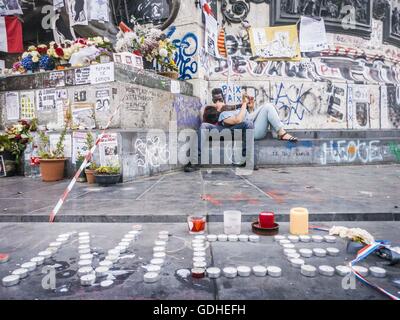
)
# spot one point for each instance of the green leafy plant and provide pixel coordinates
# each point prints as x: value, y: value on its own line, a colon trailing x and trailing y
x: 45, y: 151
x: 108, y: 170
x: 93, y: 166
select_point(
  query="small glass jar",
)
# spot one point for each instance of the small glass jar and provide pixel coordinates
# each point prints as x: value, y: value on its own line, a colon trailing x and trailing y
x: 196, y: 224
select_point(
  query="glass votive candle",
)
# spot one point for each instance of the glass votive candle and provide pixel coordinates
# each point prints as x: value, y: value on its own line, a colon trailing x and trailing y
x: 196, y: 224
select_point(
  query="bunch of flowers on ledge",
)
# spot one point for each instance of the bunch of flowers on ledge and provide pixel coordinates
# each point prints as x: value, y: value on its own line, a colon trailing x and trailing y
x: 58, y: 55
x: 150, y: 43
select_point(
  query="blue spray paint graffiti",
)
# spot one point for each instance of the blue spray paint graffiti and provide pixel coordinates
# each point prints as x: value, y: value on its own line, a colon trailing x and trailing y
x: 185, y: 55
x: 291, y: 101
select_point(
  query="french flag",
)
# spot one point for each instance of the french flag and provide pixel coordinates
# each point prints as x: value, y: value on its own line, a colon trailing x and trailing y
x: 11, y: 35
x: 206, y: 7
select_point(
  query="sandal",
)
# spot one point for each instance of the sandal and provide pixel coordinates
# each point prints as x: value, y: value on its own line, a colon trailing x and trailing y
x: 291, y: 139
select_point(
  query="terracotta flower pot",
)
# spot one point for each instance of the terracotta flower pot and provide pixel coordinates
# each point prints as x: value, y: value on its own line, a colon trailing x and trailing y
x: 52, y: 169
x: 90, y: 176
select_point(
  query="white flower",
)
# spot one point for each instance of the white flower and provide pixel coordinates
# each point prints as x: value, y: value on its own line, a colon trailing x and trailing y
x: 352, y: 234
x: 163, y: 52
x: 35, y: 59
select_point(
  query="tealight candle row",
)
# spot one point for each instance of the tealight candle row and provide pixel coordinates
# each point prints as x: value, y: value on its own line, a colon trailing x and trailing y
x: 159, y: 253
x: 233, y: 238
x: 244, y: 271
x: 303, y: 238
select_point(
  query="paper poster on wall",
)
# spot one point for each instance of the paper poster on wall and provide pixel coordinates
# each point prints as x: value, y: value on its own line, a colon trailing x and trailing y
x: 98, y: 10
x: 61, y: 94
x: 10, y: 8
x: 58, y: 4
x: 3, y: 172
x: 27, y: 102
x: 12, y: 105
x: 79, y: 147
x: 83, y: 115
x: 175, y: 87
x: 108, y: 149
x: 271, y: 43
x: 56, y: 78
x: 53, y: 140
x: 46, y: 100
x: 211, y: 35
x: 103, y: 99
x: 60, y: 109
x: 312, y: 35
x: 82, y: 76
x: 103, y: 72
x: 78, y: 12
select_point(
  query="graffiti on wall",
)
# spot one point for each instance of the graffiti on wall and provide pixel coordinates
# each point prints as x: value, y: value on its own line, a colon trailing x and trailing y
x: 393, y: 103
x: 186, y: 55
x: 187, y: 111
x: 151, y: 152
x: 344, y: 151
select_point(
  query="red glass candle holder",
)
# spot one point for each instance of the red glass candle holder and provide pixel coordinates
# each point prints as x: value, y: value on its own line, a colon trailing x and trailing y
x: 196, y: 224
x: 266, y: 219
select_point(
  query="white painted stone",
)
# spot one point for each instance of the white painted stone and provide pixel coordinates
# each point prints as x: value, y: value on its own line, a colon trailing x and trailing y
x: 106, y: 263
x: 317, y: 238
x: 254, y: 238
x: 332, y: 251
x: 305, y: 238
x: 88, y: 279
x: 361, y: 270
x: 101, y: 271
x: 342, y: 270
x: 10, y: 280
x: 274, y: 272
x: 84, y: 271
x: 230, y: 272
x: 84, y: 263
x: 30, y: 266
x: 159, y: 255
x: 260, y: 271
x: 377, y: 272
x: 305, y: 253
x: 213, y: 272
x: 319, y: 252
x: 296, y: 262
x: 327, y: 271
x: 157, y: 261
x: 21, y: 272
x: 222, y: 237
x: 38, y: 260
x: 330, y: 239
x: 151, y: 277
x: 308, y: 270
x: 244, y: 271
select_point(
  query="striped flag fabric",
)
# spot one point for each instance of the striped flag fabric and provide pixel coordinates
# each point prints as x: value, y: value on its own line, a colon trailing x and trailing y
x: 11, y: 35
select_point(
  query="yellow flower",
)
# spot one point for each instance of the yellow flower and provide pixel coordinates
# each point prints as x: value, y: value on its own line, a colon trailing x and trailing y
x: 31, y: 48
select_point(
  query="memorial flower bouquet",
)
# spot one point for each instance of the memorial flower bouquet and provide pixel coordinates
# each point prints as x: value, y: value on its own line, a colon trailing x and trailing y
x: 15, y: 138
x: 150, y: 43
x: 353, y: 234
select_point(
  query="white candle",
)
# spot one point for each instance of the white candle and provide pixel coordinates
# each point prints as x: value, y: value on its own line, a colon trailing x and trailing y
x: 230, y: 272
x: 10, y: 280
x: 260, y: 271
x: 212, y: 237
x: 101, y: 271
x: 342, y: 270
x: 304, y: 238
x: 213, y: 272
x: 30, y: 266
x: 274, y: 272
x: 151, y: 277
x: 286, y: 252
x: 361, y: 270
x: 317, y: 238
x: 319, y: 252
x: 306, y: 253
x: 243, y: 238
x: 106, y: 263
x: 243, y: 271
x: 332, y: 251
x: 377, y: 272
x: 326, y: 270
x: 84, y: 271
x: 88, y: 279
x: 308, y: 270
x: 38, y: 260
x: 84, y: 263
x: 293, y: 239
x: 254, y: 238
x: 21, y: 272
x: 222, y: 237
x: 297, y: 263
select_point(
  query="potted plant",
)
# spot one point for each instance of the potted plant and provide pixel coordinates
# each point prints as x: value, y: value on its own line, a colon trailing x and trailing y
x: 90, y: 170
x: 79, y: 160
x: 107, y: 175
x: 52, y: 162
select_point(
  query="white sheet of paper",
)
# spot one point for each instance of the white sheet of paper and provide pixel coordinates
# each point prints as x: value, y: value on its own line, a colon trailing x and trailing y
x: 175, y: 86
x: 211, y: 36
x: 259, y: 36
x: 312, y: 35
x: 100, y: 73
x: 12, y: 105
x: 98, y: 10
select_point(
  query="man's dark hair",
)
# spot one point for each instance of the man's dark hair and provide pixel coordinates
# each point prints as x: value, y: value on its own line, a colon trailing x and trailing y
x: 217, y: 95
x: 210, y: 115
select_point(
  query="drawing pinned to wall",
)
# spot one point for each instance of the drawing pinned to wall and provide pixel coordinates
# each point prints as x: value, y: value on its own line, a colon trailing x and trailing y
x: 10, y: 7
x: 312, y: 35
x: 185, y: 57
x: 12, y: 105
x: 103, y: 99
x: 275, y: 42
x: 27, y: 102
x: 151, y: 153
x: 78, y: 12
x: 98, y: 10
x: 108, y: 150
x: 83, y: 115
x: 151, y: 11
x: 46, y: 100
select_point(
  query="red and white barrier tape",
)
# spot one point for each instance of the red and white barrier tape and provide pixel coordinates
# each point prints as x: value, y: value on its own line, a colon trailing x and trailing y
x: 88, y: 156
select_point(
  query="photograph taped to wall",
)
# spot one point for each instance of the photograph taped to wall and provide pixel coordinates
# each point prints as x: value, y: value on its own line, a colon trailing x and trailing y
x: 78, y: 12
x: 27, y: 102
x: 108, y: 149
x: 98, y: 10
x: 103, y: 100
x: 46, y: 100
x: 276, y: 43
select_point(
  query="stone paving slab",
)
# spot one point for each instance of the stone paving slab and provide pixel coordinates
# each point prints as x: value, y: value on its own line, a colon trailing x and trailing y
x: 24, y: 240
x: 348, y: 193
